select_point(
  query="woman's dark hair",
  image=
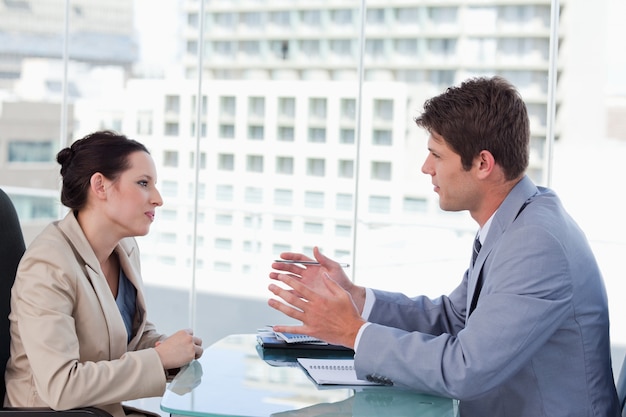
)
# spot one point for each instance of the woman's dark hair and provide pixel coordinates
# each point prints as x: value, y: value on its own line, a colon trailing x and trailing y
x: 105, y: 152
x: 482, y: 114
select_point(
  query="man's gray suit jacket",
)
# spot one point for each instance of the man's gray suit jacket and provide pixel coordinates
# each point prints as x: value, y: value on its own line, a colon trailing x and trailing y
x: 537, y: 343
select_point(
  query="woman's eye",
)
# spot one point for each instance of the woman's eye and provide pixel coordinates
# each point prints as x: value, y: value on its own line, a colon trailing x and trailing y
x: 143, y: 183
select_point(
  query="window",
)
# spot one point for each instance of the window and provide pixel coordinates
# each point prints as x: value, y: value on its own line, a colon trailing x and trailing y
x: 379, y: 204
x: 283, y: 197
x: 348, y: 108
x: 317, y: 134
x: 315, y: 167
x: 415, y: 205
x: 383, y: 109
x: 227, y: 131
x: 31, y: 151
x: 253, y: 195
x: 314, y: 199
x: 346, y: 136
x: 254, y: 163
x: 286, y: 133
x: 317, y: 108
x: 227, y: 106
x: 313, y: 228
x: 346, y: 168
x: 344, y: 202
x: 381, y: 171
x: 224, y: 192
x: 287, y: 107
x: 170, y: 159
x: 255, y: 132
x: 381, y: 137
x: 281, y: 225
x: 172, y: 104
x: 256, y: 107
x: 343, y: 230
x: 169, y: 188
x: 226, y: 162
x: 284, y: 165
x: 223, y: 243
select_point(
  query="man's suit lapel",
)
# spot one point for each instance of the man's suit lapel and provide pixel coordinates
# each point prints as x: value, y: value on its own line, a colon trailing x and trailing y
x: 508, y: 211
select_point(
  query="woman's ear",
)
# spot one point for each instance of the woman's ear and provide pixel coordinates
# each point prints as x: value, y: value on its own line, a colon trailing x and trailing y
x: 97, y: 183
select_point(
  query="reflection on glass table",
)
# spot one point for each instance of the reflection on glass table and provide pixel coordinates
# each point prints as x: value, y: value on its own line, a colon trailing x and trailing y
x: 235, y: 377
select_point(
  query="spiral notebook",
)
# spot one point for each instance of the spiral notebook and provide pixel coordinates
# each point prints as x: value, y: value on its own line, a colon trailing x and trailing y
x: 332, y: 371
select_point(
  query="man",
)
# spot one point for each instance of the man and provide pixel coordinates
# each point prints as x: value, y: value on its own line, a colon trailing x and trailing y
x: 526, y: 333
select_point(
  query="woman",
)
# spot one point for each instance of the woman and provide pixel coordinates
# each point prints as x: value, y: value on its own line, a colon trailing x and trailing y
x: 79, y: 329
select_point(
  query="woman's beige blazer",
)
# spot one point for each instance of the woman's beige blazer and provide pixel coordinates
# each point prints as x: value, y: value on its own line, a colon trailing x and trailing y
x: 68, y: 341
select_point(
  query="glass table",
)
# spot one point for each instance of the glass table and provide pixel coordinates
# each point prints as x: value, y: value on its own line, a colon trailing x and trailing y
x: 237, y: 377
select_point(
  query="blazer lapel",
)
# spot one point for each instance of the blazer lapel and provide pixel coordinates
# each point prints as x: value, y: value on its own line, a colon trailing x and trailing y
x: 508, y: 211
x: 115, y: 326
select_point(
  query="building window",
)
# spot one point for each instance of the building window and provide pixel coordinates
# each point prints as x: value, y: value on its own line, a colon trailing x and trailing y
x: 313, y: 199
x: 31, y: 151
x: 346, y: 136
x: 256, y: 107
x: 278, y: 248
x: 226, y: 162
x: 317, y: 134
x: 253, y: 195
x: 311, y: 18
x: 201, y: 190
x: 314, y: 228
x: 344, y: 202
x: 172, y: 104
x: 280, y: 18
x: 284, y: 165
x: 192, y: 160
x: 283, y: 197
x: 285, y: 133
x: 228, y: 106
x: 341, y: 17
x: 375, y: 16
x: 343, y: 230
x: 224, y: 192
x: 317, y: 108
x: 316, y: 167
x: 227, y: 131
x: 381, y: 137
x: 383, y: 109
x: 348, y: 109
x: 255, y: 132
x: 414, y: 205
x: 381, y: 171
x: 224, y: 219
x: 282, y: 225
x: 169, y: 188
x: 167, y: 214
x: 171, y: 129
x: 379, y: 204
x: 287, y: 107
x: 223, y: 243
x: 345, y: 168
x: 254, y: 163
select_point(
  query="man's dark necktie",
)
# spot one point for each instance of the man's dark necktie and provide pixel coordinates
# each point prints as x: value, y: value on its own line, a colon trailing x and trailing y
x: 479, y: 282
x: 477, y: 246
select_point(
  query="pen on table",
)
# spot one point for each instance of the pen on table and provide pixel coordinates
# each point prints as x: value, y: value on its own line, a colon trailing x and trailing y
x: 289, y: 261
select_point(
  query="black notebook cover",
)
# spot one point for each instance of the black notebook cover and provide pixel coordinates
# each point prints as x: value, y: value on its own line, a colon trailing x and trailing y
x: 272, y: 342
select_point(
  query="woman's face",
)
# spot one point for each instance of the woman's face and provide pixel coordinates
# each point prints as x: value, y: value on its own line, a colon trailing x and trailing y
x: 134, y: 197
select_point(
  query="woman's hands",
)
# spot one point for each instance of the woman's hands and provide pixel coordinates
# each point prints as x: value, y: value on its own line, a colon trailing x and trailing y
x: 179, y: 349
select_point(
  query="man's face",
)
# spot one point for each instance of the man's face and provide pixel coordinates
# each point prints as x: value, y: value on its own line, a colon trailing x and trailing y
x: 456, y: 187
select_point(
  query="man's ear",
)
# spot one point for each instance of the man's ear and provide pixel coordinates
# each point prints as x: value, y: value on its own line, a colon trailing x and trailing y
x: 97, y: 183
x: 485, y: 163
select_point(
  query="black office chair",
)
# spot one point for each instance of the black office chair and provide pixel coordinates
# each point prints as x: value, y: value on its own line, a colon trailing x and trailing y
x: 11, y: 250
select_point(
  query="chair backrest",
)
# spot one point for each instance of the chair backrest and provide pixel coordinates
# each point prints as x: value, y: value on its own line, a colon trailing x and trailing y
x: 11, y: 250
